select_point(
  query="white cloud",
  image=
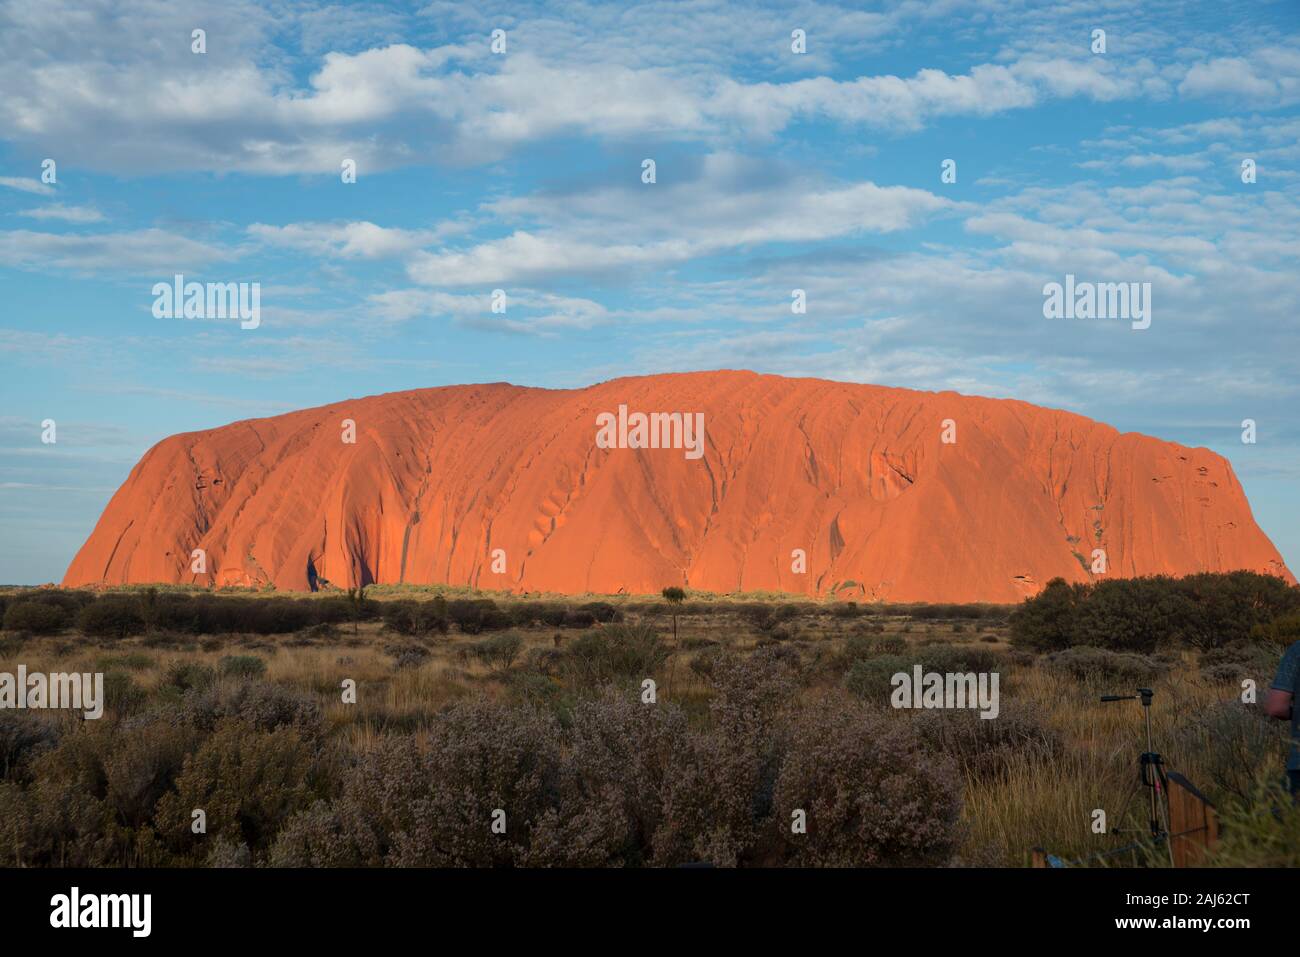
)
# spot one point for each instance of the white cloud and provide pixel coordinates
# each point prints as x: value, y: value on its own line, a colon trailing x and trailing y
x: 358, y: 240
x: 140, y: 251
x: 527, y: 310
x: 1271, y: 76
x: 602, y: 229
x: 69, y: 214
x: 27, y: 185
x: 586, y: 71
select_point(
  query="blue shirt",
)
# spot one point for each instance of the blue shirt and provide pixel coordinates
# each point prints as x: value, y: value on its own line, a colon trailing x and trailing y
x: 1287, y: 674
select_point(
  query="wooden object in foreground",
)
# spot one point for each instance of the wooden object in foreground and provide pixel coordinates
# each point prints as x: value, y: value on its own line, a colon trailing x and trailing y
x: 1193, y: 823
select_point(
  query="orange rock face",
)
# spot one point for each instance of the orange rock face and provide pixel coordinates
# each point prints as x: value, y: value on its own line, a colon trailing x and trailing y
x: 885, y: 493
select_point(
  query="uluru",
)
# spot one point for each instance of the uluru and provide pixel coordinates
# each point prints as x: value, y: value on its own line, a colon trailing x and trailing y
x: 788, y: 484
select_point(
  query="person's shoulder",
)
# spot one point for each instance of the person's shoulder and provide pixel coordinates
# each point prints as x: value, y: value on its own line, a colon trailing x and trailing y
x: 1289, y: 668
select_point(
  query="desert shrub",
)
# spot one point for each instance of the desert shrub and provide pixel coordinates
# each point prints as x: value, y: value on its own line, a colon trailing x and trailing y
x: 214, y: 614
x: 697, y: 643
x: 945, y: 658
x: 765, y: 617
x: 782, y: 633
x: 376, y: 806
x: 1227, y: 673
x: 553, y: 615
x: 121, y: 694
x: 532, y: 688
x: 321, y: 631
x: 602, y: 612
x: 1240, y: 659
x: 279, y: 616
x: 622, y: 750
x: 1137, y: 615
x: 1225, y: 747
x: 1229, y: 606
x: 1263, y: 832
x: 945, y: 611
x: 175, y: 613
x: 259, y: 644
x: 493, y: 618
x: 1280, y: 631
x: 498, y: 652
x: 131, y: 661
x: 615, y: 653
x: 399, y: 616
x: 862, y: 646
x: 167, y: 639
x: 77, y: 761
x: 407, y: 656
x: 242, y: 666
x: 316, y: 837
x: 91, y: 797
x: 978, y: 611
x: 474, y: 616
x: 987, y: 747
x: 260, y: 705
x: 1087, y: 663
x: 189, y: 676
x: 226, y: 853
x: 525, y: 613
x: 718, y: 796
x: 69, y: 601
x: 872, y: 794
x: 248, y: 781
x: 1140, y: 614
x: 546, y: 661
x: 359, y: 826
x: 484, y: 758
x: 431, y: 616
x: 37, y: 617
x: 703, y: 664
x: 1046, y: 621
x: 204, y: 614
x: 757, y: 685
x: 578, y: 619
x: 870, y: 678
x: 141, y: 766
x: 147, y: 603
x: 24, y: 735
x: 416, y: 619
x: 111, y: 617
x: 60, y: 820
x: 334, y: 610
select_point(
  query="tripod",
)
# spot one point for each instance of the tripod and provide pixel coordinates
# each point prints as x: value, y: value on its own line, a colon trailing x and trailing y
x: 1151, y: 770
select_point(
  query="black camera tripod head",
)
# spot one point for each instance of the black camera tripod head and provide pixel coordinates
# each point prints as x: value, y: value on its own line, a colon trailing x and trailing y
x: 1145, y: 694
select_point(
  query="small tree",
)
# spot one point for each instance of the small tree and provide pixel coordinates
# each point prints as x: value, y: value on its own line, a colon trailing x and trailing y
x: 149, y: 608
x: 357, y: 599
x: 499, y: 651
x: 674, y: 596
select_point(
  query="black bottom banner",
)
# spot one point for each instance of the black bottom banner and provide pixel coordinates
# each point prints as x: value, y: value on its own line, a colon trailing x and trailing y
x: 212, y: 907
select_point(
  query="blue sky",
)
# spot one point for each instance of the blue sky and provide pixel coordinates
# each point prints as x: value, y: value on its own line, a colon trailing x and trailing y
x: 521, y: 171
